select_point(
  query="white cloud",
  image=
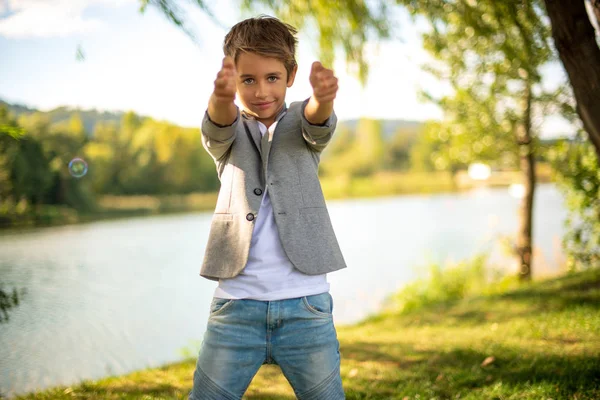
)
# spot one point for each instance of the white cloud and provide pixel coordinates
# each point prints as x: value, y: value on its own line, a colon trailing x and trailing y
x: 49, y: 18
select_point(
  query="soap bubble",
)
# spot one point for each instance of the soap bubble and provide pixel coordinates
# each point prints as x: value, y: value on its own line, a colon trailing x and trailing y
x: 78, y: 167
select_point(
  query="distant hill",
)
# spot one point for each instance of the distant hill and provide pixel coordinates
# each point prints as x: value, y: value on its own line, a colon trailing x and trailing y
x: 16, y: 109
x: 91, y: 117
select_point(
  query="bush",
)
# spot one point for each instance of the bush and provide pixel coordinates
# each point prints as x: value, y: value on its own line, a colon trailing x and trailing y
x: 578, y: 177
x: 451, y: 283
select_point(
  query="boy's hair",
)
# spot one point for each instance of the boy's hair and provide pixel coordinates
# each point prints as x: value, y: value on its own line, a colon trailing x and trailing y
x: 263, y: 35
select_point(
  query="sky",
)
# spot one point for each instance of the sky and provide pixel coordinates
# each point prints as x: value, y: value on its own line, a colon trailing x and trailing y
x: 144, y: 63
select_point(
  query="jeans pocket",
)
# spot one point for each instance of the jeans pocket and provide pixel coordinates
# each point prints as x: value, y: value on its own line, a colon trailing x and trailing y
x: 320, y: 304
x: 218, y: 306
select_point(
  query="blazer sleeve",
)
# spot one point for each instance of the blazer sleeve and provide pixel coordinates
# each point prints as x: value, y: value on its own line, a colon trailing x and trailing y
x: 217, y: 139
x: 317, y: 136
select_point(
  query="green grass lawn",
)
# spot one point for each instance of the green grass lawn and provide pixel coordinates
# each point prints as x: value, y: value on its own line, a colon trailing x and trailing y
x: 541, y: 341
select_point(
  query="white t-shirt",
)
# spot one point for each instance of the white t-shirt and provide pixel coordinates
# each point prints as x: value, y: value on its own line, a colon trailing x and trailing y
x: 269, y: 275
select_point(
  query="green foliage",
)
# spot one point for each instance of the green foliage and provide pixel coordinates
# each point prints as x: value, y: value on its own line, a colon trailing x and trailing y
x: 357, y: 153
x: 431, y: 151
x: 346, y: 24
x: 578, y: 176
x: 24, y: 168
x: 397, y: 152
x: 8, y: 126
x: 491, y: 53
x: 450, y: 283
x: 369, y: 147
x: 365, y: 147
x: 173, y: 11
x: 134, y: 156
x: 137, y: 156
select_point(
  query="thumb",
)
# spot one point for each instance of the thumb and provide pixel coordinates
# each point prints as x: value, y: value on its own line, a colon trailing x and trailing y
x: 316, y: 67
x: 228, y: 63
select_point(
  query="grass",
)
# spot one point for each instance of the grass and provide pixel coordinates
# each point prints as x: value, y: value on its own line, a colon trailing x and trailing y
x: 112, y: 207
x: 392, y: 183
x: 540, y: 341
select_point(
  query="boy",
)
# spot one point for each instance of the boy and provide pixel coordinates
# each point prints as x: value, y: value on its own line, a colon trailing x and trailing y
x: 271, y: 242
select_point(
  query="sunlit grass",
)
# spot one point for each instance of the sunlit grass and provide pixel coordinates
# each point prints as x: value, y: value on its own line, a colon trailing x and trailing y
x: 389, y: 183
x: 386, y: 184
x: 541, y: 341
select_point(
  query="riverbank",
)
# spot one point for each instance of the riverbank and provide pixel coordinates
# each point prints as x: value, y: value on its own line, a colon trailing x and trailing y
x: 541, y: 341
x: 381, y: 184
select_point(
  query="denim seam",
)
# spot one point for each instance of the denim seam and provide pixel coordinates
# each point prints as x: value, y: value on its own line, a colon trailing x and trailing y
x: 216, y: 388
x: 248, y: 382
x: 269, y: 360
x: 316, y: 389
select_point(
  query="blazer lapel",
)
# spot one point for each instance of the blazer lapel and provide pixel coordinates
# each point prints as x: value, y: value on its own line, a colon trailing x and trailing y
x: 253, y: 133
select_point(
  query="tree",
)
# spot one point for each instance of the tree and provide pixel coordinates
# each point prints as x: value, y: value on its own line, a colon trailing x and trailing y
x: 24, y: 168
x: 491, y: 52
x: 488, y: 47
x: 579, y: 180
x: 349, y: 24
x: 578, y: 49
x: 368, y: 147
x: 397, y: 152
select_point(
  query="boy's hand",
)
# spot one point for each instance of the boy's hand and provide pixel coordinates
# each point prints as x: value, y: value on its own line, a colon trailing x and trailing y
x: 325, y: 87
x: 221, y: 108
x: 324, y: 83
x: 225, y: 83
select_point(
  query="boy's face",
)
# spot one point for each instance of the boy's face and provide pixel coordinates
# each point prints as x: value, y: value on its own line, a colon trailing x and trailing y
x: 261, y: 85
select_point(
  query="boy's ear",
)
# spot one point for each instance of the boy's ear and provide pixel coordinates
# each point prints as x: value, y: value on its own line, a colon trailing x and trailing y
x: 292, y: 76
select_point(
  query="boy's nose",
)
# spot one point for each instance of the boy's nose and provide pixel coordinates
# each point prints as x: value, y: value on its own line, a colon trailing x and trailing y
x: 261, y: 92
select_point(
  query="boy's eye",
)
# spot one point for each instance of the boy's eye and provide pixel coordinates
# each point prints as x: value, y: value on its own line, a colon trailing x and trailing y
x: 272, y: 78
x: 248, y: 81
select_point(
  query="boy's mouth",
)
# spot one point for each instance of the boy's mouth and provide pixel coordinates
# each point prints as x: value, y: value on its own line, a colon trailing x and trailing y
x: 263, y: 105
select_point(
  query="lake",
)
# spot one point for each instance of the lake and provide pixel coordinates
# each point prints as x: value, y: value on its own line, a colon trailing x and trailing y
x: 110, y: 297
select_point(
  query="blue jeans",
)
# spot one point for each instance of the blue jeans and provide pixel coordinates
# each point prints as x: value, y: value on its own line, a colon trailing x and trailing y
x: 297, y: 334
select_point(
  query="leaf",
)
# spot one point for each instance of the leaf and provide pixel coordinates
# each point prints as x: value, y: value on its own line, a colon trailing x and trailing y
x: 489, y: 360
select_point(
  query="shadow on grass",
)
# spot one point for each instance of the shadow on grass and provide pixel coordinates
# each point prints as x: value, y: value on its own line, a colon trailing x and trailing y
x: 564, y: 292
x: 137, y: 391
x: 458, y: 372
x: 125, y: 391
x: 573, y: 291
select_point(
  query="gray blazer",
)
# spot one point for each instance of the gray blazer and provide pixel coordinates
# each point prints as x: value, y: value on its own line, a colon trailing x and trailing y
x: 291, y: 163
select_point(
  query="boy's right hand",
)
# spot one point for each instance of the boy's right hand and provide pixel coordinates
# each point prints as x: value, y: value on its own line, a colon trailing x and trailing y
x: 221, y: 107
x: 225, y: 83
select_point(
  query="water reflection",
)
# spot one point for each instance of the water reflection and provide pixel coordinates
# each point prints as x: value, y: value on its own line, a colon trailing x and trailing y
x: 8, y: 301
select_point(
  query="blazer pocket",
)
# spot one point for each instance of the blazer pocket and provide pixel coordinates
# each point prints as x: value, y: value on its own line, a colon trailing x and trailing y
x: 222, y: 217
x: 226, y: 191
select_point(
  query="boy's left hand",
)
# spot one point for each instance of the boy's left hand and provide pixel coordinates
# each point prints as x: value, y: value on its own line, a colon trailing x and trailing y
x: 323, y: 82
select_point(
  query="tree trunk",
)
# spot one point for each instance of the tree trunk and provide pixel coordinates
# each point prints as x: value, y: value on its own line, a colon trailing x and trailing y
x: 575, y: 41
x: 527, y: 161
x: 596, y: 9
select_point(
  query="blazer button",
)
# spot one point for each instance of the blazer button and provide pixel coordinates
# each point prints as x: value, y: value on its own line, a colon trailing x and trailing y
x: 258, y: 191
x: 250, y: 217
